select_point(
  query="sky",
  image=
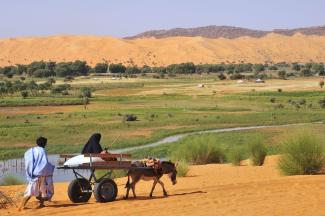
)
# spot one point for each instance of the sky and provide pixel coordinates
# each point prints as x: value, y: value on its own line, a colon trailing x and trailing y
x: 120, y: 18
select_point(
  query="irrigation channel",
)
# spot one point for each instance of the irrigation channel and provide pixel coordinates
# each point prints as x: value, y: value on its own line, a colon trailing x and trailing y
x: 16, y: 167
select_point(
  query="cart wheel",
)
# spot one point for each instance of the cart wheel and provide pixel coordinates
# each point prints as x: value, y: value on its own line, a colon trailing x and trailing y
x: 79, y: 190
x: 105, y: 190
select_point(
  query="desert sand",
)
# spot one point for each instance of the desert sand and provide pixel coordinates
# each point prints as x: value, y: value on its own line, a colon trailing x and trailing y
x: 156, y: 52
x: 212, y: 189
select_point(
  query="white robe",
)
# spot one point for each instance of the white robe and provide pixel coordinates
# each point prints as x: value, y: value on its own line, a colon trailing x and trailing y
x: 39, y: 173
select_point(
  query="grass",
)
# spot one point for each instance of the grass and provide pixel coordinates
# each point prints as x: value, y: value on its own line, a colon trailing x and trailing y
x: 11, y: 180
x: 257, y: 151
x: 303, y: 153
x: 69, y: 128
x: 182, y: 168
x: 197, y: 150
x: 236, y: 156
x: 40, y: 101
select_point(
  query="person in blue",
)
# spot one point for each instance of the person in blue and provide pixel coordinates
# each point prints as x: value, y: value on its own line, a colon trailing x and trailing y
x: 39, y: 173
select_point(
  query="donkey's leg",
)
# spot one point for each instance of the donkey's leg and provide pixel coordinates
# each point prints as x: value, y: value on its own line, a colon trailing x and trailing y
x: 153, y: 186
x: 135, y: 181
x: 127, y: 187
x: 163, y: 187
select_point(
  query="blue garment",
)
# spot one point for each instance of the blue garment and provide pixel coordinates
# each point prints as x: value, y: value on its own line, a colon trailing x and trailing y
x: 36, y: 164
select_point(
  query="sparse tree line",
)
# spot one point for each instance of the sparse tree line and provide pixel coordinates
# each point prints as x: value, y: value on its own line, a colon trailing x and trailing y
x: 31, y: 88
x: 231, y: 71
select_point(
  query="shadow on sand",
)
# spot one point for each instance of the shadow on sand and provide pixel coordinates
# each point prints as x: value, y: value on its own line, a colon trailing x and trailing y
x: 162, y: 197
x: 58, y: 205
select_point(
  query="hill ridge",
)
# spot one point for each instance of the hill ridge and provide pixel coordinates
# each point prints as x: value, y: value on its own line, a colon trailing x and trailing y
x: 230, y: 32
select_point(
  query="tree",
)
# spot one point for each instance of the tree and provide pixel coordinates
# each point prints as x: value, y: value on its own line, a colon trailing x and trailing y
x: 132, y: 70
x: 32, y: 67
x: 43, y: 73
x: 21, y: 69
x: 117, y: 68
x: 321, y: 84
x: 273, y: 67
x: 62, y: 69
x: 318, y: 69
x: 80, y: 68
x: 101, y: 68
x: 306, y: 72
x: 60, y: 89
x: 282, y: 74
x: 259, y: 67
x: 295, y: 66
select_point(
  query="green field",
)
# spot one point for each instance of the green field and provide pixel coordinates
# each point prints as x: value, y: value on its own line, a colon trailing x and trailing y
x: 182, y: 108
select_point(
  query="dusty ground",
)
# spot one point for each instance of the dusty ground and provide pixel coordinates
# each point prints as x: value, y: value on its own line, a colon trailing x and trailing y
x: 208, y: 190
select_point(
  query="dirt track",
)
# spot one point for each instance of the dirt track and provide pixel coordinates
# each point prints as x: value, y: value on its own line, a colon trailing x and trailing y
x: 208, y: 190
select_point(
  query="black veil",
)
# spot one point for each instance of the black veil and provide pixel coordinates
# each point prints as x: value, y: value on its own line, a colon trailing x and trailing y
x: 93, y: 146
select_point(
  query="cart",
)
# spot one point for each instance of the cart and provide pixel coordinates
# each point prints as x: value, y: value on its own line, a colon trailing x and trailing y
x: 104, y: 188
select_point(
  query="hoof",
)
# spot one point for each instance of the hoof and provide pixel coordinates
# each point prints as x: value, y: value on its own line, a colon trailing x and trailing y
x: 125, y: 197
x: 165, y: 194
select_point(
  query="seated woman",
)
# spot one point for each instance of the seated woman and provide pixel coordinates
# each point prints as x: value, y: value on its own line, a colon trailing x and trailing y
x: 93, y: 146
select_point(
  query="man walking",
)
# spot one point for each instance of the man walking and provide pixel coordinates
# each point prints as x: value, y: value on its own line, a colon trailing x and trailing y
x: 39, y: 172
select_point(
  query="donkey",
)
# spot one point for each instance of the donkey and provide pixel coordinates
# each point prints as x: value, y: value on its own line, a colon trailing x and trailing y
x: 144, y: 173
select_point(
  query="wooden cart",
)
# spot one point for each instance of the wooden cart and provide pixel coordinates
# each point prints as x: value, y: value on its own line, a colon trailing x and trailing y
x: 104, y: 188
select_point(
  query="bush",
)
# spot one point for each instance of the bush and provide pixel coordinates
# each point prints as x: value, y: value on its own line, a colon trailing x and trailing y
x: 322, y: 103
x: 24, y: 94
x: 182, y: 168
x: 11, y: 180
x: 201, y: 150
x: 85, y: 92
x: 221, y: 76
x: 235, y: 156
x: 258, y: 152
x: 303, y: 153
x: 130, y: 117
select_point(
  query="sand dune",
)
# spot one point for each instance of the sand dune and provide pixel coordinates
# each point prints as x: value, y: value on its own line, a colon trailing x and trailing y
x: 150, y: 51
x: 209, y: 190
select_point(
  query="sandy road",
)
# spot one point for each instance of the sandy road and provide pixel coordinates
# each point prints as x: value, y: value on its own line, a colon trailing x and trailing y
x: 208, y: 190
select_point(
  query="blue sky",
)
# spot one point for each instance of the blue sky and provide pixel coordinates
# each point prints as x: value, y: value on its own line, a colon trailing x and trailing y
x: 121, y: 18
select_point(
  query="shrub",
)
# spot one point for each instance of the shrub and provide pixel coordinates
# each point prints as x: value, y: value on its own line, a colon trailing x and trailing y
x: 24, y: 94
x: 201, y: 150
x: 279, y: 90
x: 130, y: 117
x: 303, y: 153
x: 11, y: 180
x: 221, y: 76
x: 302, y: 101
x: 321, y: 84
x: 182, y: 168
x: 235, y: 156
x: 85, y: 92
x: 322, y: 103
x: 272, y: 100
x: 68, y: 79
x: 257, y: 151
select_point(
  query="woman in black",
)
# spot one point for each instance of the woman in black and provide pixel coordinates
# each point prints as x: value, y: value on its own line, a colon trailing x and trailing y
x: 93, y: 146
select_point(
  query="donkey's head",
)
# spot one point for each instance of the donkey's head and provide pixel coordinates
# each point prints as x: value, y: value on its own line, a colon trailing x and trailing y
x: 169, y: 168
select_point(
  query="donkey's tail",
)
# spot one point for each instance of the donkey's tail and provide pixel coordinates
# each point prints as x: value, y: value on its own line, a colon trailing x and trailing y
x: 128, y: 182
